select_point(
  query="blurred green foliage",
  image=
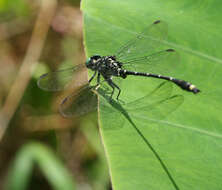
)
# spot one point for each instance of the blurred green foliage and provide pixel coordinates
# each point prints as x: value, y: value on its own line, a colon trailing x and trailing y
x: 37, y: 154
x: 75, y: 140
x: 15, y: 8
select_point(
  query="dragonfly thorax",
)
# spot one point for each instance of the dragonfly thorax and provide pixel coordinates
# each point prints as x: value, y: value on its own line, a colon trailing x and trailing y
x: 108, y: 66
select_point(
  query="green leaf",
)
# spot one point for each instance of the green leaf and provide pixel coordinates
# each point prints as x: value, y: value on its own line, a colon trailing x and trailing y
x: 145, y: 148
x: 35, y: 153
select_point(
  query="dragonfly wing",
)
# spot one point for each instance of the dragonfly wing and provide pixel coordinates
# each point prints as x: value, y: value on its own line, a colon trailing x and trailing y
x: 158, y: 110
x: 161, y: 92
x: 58, y: 80
x: 156, y: 105
x: 162, y: 109
x: 143, y: 43
x: 111, y: 111
x: 112, y: 116
x: 162, y: 62
x: 79, y: 103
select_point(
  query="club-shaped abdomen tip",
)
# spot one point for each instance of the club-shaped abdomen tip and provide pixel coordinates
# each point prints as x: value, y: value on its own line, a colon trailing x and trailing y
x: 194, y: 89
x: 156, y: 22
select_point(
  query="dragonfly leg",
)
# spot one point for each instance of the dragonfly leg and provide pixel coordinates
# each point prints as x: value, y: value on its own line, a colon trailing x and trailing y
x: 98, y: 79
x: 113, y: 85
x: 94, y: 74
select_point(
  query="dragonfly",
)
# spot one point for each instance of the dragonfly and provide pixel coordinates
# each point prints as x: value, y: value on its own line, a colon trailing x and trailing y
x: 131, y: 59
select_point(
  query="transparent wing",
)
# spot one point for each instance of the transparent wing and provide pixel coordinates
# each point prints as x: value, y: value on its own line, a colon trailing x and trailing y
x: 79, y: 102
x: 111, y: 115
x: 143, y: 43
x: 111, y: 111
x: 157, y: 105
x: 159, y: 110
x: 58, y: 80
x: 162, y: 62
x: 161, y: 92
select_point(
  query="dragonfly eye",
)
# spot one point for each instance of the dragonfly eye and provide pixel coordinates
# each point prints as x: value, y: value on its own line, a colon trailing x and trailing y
x: 88, y: 62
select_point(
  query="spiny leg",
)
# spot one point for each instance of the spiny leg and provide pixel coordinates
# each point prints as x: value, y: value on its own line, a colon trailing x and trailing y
x: 94, y: 74
x: 113, y: 85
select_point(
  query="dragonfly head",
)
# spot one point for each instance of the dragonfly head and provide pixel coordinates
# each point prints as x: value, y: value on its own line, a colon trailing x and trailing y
x: 91, y: 62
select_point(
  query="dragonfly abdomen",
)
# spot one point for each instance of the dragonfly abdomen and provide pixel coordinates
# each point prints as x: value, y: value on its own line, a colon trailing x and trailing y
x: 181, y: 83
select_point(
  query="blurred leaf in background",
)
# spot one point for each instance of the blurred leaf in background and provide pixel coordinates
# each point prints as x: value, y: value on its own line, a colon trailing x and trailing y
x: 12, y: 9
x: 37, y: 154
x: 36, y: 117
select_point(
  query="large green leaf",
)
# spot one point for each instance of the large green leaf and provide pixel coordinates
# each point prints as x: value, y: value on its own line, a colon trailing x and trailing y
x: 145, y: 148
